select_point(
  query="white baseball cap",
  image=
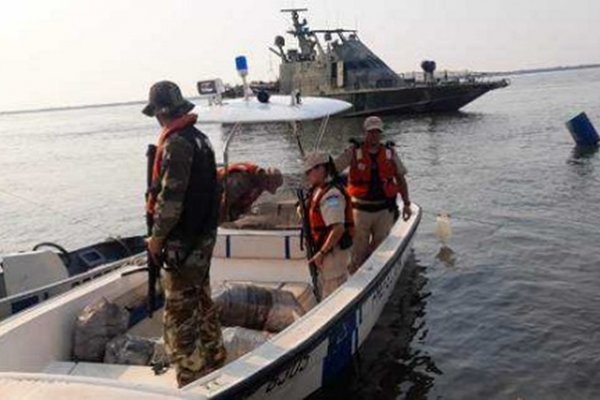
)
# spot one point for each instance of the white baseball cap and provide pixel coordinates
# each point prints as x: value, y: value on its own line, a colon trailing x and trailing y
x: 373, y: 123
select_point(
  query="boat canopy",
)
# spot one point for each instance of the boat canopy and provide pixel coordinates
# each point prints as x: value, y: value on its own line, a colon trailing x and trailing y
x: 277, y: 109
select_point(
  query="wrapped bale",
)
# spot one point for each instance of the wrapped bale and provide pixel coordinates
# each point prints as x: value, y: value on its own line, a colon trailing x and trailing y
x: 303, y: 292
x: 258, y: 308
x: 130, y: 350
x: 284, y: 312
x: 239, y: 341
x: 160, y: 359
x: 96, y: 325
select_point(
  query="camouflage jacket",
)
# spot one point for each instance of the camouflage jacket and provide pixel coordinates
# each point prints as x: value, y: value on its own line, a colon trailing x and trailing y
x: 187, y: 203
x: 177, y: 164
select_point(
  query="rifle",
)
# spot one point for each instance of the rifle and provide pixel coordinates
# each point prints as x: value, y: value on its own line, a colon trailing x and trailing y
x: 309, y: 244
x: 153, y: 265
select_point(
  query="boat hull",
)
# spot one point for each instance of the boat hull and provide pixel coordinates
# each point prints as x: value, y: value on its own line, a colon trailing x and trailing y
x: 416, y: 99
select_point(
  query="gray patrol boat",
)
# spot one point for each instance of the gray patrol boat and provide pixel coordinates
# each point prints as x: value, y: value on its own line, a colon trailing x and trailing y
x: 335, y: 63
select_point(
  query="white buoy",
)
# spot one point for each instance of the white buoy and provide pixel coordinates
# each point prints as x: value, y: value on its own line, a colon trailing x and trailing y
x: 443, y: 230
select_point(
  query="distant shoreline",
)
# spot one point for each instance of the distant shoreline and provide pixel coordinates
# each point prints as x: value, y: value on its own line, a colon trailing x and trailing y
x: 78, y: 107
x: 68, y: 108
x: 139, y: 102
x: 541, y: 70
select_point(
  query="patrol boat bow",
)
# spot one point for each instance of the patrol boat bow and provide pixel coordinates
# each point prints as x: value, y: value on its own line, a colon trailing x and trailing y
x: 291, y: 365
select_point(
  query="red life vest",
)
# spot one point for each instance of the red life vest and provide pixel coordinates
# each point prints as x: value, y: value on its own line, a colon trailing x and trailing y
x: 359, y: 179
x: 319, y: 230
x: 245, y: 202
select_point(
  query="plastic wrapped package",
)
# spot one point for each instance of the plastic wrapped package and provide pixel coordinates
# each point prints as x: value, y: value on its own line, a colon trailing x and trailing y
x: 160, y: 358
x: 303, y: 292
x: 284, y: 311
x: 239, y: 341
x: 95, y: 326
x: 130, y: 350
x: 258, y: 308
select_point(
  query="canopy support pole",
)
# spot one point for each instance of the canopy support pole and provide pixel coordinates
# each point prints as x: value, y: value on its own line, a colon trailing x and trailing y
x: 232, y: 133
x: 296, y: 133
x: 322, y: 130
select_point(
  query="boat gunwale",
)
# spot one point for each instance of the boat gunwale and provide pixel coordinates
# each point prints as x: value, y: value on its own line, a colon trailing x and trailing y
x: 46, y: 379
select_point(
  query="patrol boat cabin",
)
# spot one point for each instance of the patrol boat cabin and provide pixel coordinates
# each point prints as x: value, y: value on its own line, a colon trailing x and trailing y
x: 298, y: 357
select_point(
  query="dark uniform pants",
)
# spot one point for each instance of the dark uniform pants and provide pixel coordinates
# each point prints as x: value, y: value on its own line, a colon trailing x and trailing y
x: 192, y: 331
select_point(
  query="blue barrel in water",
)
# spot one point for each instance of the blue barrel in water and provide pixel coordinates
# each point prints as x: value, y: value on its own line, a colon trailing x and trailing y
x: 583, y: 131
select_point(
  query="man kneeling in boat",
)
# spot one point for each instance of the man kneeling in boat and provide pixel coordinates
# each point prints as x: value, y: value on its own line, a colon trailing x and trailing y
x: 331, y: 222
x: 375, y: 179
x: 246, y: 182
x: 184, y: 206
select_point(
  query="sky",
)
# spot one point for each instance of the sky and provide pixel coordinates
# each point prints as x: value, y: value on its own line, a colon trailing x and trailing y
x: 72, y: 52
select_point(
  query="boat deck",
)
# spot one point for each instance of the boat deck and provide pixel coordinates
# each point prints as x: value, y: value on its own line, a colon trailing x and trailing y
x: 152, y: 328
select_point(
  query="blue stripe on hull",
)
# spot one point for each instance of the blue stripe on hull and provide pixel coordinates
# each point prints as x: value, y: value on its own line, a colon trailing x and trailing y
x: 342, y: 340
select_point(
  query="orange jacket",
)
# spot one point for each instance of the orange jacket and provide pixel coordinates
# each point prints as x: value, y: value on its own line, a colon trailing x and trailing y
x: 359, y: 179
x: 319, y: 230
x: 245, y: 202
x: 167, y: 131
x: 238, y: 167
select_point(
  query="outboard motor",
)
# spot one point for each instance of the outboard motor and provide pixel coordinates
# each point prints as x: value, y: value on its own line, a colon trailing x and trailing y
x: 428, y: 68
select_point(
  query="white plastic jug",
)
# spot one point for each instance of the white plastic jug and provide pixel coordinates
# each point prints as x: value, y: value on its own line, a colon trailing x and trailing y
x: 443, y: 230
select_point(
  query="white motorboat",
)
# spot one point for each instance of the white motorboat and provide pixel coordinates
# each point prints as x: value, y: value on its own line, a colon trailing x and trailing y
x: 36, y: 345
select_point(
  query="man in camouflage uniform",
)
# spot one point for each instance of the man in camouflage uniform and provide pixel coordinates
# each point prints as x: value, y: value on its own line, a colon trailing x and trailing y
x: 184, y: 202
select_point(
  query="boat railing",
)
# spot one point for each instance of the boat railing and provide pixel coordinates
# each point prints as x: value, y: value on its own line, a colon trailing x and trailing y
x: 447, y: 78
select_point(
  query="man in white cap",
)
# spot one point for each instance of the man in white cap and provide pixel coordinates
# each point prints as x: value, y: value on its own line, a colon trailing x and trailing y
x: 375, y: 179
x: 331, y: 224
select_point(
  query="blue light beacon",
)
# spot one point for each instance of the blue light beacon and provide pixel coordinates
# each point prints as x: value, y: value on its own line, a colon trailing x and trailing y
x: 241, y: 64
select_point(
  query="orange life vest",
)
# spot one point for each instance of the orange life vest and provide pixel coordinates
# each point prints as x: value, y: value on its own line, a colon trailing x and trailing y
x: 170, y: 129
x: 239, y: 167
x: 359, y: 179
x: 250, y: 197
x: 319, y: 230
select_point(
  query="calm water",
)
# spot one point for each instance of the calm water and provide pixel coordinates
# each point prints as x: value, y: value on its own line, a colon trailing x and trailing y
x: 511, y: 310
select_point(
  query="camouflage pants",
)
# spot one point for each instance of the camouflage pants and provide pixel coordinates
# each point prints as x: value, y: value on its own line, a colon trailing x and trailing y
x: 192, y: 331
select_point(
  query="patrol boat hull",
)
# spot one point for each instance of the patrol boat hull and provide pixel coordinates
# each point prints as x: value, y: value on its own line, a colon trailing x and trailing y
x: 292, y: 365
x: 414, y: 100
